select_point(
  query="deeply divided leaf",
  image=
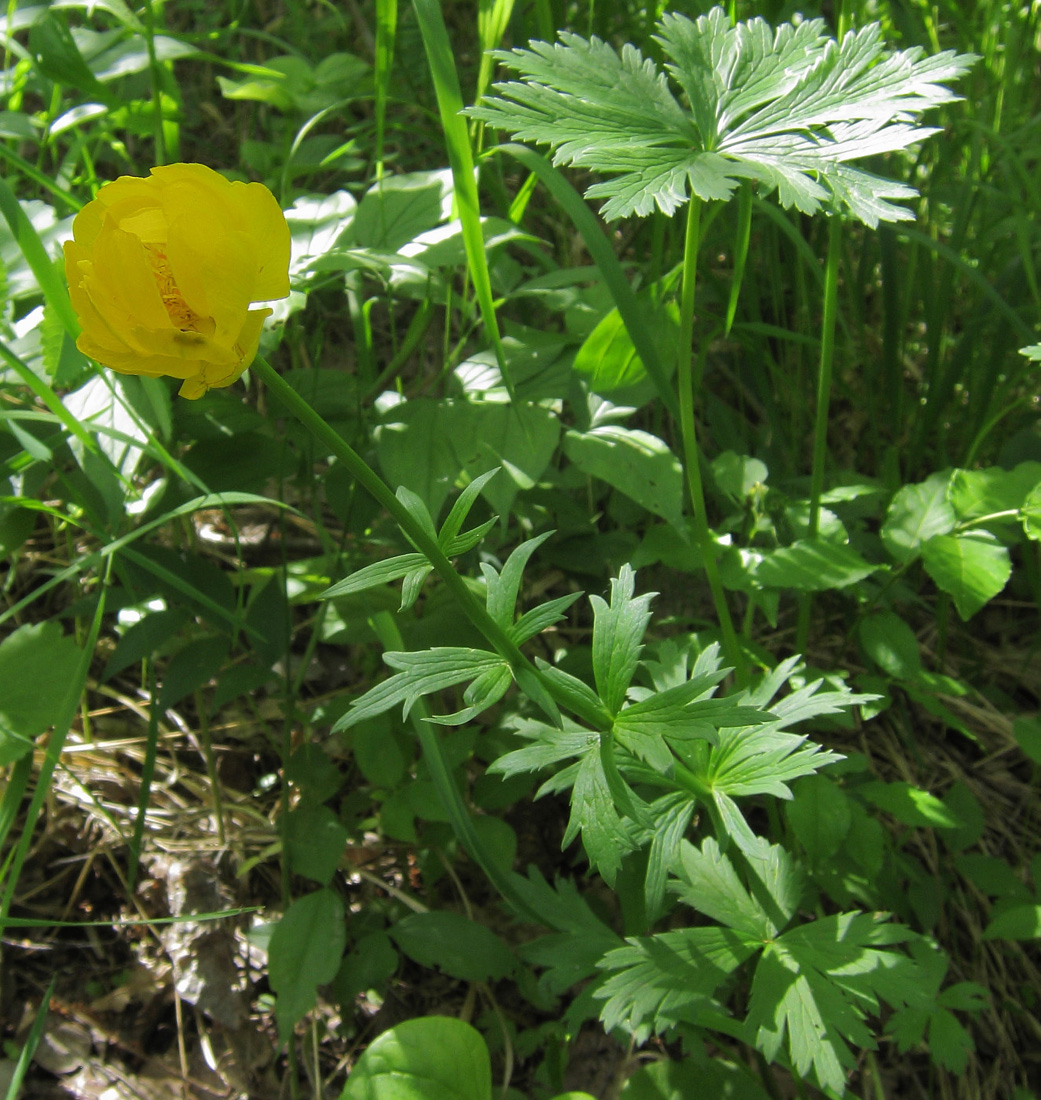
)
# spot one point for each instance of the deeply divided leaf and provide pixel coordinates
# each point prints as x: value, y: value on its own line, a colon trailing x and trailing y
x: 789, y: 109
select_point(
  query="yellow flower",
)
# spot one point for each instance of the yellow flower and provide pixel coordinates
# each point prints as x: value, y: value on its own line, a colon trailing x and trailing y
x: 163, y: 270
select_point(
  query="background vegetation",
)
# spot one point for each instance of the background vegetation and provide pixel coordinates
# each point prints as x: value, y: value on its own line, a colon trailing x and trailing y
x: 195, y: 714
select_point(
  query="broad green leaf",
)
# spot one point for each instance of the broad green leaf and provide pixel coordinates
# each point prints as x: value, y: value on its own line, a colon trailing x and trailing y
x: 144, y: 638
x: 192, y: 667
x: 1031, y: 517
x: 950, y: 1045
x: 992, y: 876
x: 812, y: 565
x: 37, y: 661
x: 789, y: 109
x: 617, y: 636
x: 378, y: 749
x: 268, y: 618
x: 635, y: 463
x: 1027, y: 732
x: 738, y: 475
x: 909, y: 805
x: 978, y: 493
x: 608, y: 357
x: 398, y: 209
x: 973, y: 568
x: 458, y: 946
x: 316, y: 224
x: 715, y: 1078
x: 315, y: 841
x: 424, y: 444
x: 433, y: 1058
x: 58, y: 58
x: 304, y: 953
x: 820, y: 816
x: 1021, y: 922
x: 891, y: 644
x: 368, y: 965
x: 915, y: 514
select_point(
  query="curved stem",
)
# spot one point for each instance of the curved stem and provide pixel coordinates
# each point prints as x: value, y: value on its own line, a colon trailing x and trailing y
x: 424, y: 542
x: 691, y: 450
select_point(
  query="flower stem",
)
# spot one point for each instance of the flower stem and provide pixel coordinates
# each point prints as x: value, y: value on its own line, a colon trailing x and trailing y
x: 509, y: 885
x: 691, y: 451
x: 820, y: 425
x: 427, y: 545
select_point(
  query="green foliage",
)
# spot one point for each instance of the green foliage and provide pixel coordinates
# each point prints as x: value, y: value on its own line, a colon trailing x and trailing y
x: 474, y: 336
x: 426, y: 1059
x: 29, y: 658
x: 788, y: 109
x: 304, y: 952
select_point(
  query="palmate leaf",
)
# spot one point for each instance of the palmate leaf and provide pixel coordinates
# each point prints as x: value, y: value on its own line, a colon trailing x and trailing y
x: 789, y: 108
x: 662, y: 980
x: 815, y: 984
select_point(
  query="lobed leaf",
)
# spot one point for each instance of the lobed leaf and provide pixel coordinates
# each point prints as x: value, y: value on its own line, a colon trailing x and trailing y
x: 617, y: 634
x: 660, y: 981
x: 788, y: 108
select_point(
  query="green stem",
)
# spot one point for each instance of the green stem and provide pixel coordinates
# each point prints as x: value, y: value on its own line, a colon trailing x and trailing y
x: 503, y: 880
x: 424, y: 542
x: 820, y: 425
x: 509, y: 885
x: 157, y: 86
x: 691, y: 450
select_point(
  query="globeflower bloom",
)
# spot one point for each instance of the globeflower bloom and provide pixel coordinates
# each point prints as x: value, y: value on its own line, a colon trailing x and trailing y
x: 162, y: 272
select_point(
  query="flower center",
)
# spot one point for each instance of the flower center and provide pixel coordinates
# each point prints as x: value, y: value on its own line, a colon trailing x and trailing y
x: 182, y: 315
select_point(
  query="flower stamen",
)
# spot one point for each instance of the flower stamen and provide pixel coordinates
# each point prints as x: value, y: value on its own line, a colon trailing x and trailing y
x: 180, y: 313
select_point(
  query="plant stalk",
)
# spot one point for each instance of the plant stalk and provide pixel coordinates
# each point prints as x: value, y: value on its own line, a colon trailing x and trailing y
x: 691, y: 451
x: 820, y: 425
x: 425, y: 543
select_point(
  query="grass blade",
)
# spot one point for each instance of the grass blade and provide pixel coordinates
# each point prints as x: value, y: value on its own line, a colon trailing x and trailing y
x: 460, y: 157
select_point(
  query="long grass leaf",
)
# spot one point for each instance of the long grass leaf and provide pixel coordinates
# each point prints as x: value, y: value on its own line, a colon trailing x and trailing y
x: 493, y: 17
x: 32, y: 1040
x: 386, y: 35
x: 460, y: 157
x: 50, y: 282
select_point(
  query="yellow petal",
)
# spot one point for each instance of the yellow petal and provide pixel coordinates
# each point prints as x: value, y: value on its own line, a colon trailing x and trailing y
x: 213, y: 377
x: 123, y: 274
x: 263, y: 219
x: 214, y: 269
x: 162, y: 272
x: 193, y: 388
